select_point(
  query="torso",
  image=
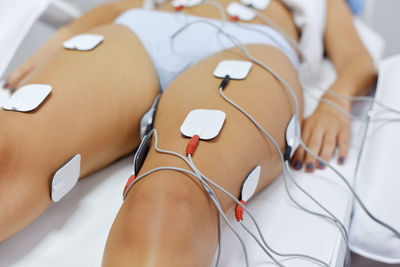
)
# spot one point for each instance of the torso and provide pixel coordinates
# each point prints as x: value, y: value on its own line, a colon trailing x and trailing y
x: 276, y: 11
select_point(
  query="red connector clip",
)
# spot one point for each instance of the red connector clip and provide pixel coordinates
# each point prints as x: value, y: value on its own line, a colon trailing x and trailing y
x: 179, y: 8
x: 234, y: 18
x: 239, y: 211
x: 130, y: 181
x: 191, y: 147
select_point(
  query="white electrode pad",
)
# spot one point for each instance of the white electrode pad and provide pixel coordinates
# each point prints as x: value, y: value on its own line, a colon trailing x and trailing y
x: 236, y: 69
x: 249, y: 185
x: 291, y: 137
x: 83, y: 42
x: 257, y: 4
x: 186, y: 3
x: 28, y: 98
x: 235, y: 9
x: 205, y: 123
x: 65, y: 178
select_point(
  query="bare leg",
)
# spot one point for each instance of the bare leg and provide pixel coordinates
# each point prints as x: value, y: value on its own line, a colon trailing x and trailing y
x: 167, y: 219
x: 93, y: 110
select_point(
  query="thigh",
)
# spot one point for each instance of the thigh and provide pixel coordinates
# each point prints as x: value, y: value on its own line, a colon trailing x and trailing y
x: 240, y: 146
x: 94, y: 109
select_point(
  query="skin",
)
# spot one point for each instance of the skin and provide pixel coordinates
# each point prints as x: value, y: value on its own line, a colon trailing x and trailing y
x: 168, y: 215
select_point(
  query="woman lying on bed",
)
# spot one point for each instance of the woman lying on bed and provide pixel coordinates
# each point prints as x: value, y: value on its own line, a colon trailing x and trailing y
x: 100, y: 96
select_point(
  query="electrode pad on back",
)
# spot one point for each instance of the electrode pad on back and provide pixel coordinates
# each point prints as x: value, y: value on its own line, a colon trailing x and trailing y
x: 235, y: 9
x: 205, y: 123
x: 65, y: 178
x: 83, y: 42
x: 249, y: 185
x: 28, y: 98
x: 236, y: 69
x: 257, y: 4
x: 186, y: 3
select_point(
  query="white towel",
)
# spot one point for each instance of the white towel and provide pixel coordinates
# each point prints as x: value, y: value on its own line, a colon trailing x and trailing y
x: 16, y: 18
x: 310, y: 19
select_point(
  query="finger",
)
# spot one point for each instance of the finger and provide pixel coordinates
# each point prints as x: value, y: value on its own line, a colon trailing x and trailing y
x: 343, y: 144
x: 18, y: 75
x: 328, y: 147
x: 314, y: 144
x: 298, y: 156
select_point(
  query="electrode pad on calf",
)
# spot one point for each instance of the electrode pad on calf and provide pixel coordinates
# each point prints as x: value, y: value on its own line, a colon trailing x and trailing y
x: 241, y: 12
x: 205, y: 123
x: 248, y: 189
x: 292, y: 142
x: 236, y: 69
x: 257, y: 4
x: 83, y: 42
x: 66, y: 178
x: 28, y: 98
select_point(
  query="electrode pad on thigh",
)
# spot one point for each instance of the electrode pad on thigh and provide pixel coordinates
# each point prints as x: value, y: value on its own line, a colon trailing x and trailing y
x: 186, y: 3
x: 236, y: 69
x: 249, y: 185
x: 28, y: 97
x: 257, y: 4
x: 292, y: 141
x: 235, y: 9
x: 205, y: 123
x: 83, y: 42
x: 65, y: 178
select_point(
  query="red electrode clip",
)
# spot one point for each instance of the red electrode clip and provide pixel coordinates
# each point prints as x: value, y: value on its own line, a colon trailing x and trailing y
x: 130, y: 181
x: 235, y: 18
x: 192, y: 145
x: 239, y: 211
x: 179, y: 8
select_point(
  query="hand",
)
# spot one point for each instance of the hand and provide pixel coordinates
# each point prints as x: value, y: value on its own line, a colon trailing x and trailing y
x: 322, y: 132
x: 23, y: 71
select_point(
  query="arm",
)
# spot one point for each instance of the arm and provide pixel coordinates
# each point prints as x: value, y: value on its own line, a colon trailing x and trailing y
x: 101, y: 15
x: 327, y: 128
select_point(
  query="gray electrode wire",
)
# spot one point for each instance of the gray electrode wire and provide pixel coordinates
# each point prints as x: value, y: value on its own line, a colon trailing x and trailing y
x: 209, y: 190
x: 349, y: 115
x: 369, y: 99
x: 272, y: 24
x: 297, y: 125
x: 220, y: 9
x: 234, y: 40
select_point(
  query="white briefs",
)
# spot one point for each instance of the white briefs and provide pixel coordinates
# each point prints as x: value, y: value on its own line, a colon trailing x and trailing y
x: 198, y: 41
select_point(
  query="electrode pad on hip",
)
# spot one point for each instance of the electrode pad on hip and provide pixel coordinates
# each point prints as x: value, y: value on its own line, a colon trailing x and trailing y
x: 186, y: 3
x: 83, y: 42
x: 235, y: 9
x: 205, y: 123
x: 28, y: 98
x: 257, y: 4
x: 65, y: 178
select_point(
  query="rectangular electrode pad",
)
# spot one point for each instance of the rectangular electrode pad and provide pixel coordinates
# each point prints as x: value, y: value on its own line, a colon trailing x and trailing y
x: 249, y: 185
x: 186, y: 3
x: 291, y: 137
x: 235, y: 9
x: 205, y: 123
x: 28, y: 97
x: 236, y: 69
x: 65, y: 178
x: 83, y: 42
x: 257, y: 4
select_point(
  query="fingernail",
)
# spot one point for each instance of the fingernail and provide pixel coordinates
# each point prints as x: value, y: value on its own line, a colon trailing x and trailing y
x: 321, y: 165
x: 310, y: 167
x: 13, y: 90
x: 298, y: 165
x: 5, y: 86
x: 341, y: 160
